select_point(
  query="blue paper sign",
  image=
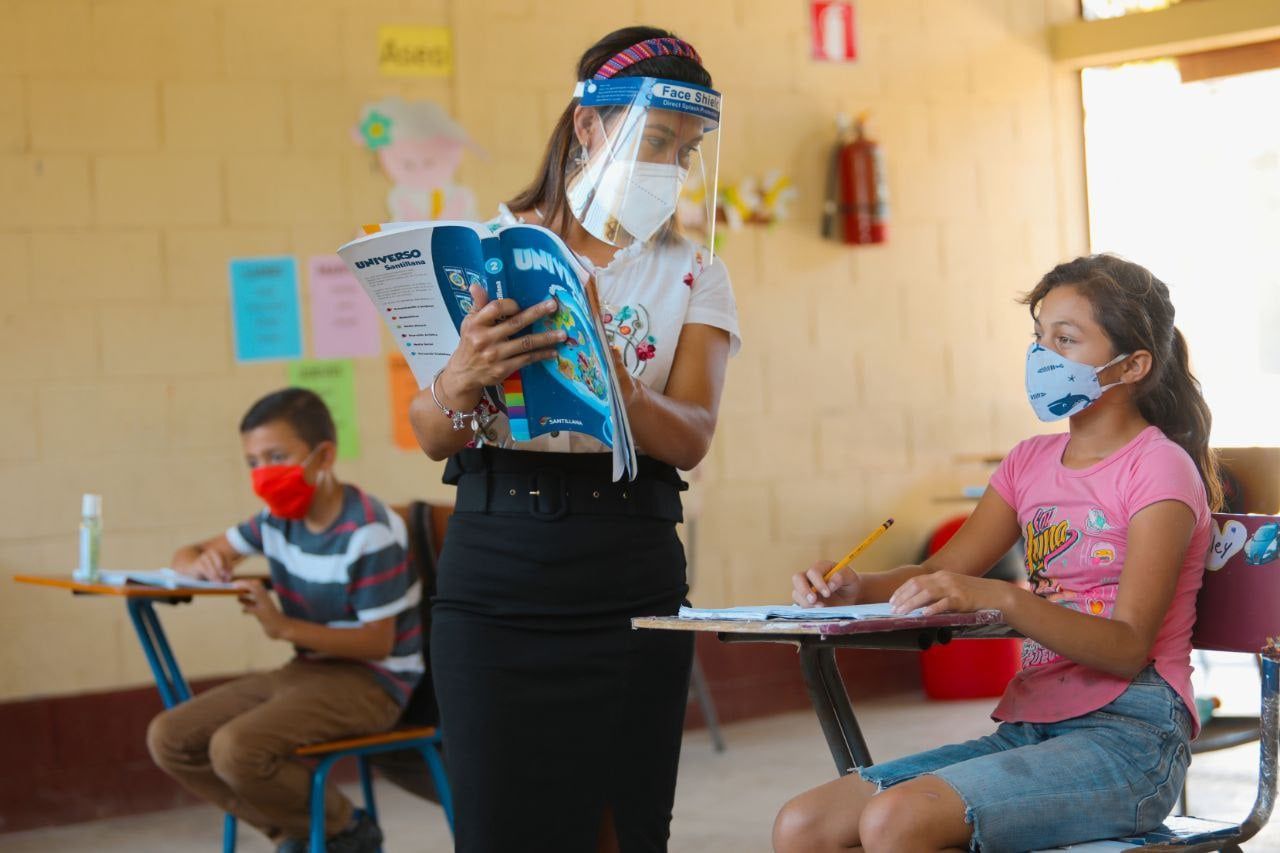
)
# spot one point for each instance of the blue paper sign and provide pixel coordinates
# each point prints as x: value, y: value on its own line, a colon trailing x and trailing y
x: 264, y: 309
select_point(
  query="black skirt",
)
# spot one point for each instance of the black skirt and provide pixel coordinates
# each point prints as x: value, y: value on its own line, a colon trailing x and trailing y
x: 552, y: 708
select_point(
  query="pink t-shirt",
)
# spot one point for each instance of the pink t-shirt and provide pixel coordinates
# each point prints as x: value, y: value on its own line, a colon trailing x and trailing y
x: 1075, y: 525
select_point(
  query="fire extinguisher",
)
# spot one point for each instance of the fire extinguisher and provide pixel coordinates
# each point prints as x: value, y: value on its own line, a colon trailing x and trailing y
x: 857, y: 206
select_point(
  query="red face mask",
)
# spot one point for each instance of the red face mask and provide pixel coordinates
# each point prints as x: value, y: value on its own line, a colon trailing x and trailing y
x: 285, y: 489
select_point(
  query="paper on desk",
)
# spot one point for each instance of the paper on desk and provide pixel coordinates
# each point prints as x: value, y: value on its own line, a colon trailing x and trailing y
x: 167, y: 578
x: 795, y: 612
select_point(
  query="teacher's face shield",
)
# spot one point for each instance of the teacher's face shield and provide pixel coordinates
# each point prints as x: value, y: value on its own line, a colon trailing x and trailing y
x: 638, y: 141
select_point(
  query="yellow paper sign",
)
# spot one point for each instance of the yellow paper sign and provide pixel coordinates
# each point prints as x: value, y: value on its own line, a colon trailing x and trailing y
x: 415, y: 51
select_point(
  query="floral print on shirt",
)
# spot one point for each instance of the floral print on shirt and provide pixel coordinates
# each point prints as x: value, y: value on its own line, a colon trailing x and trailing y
x: 627, y: 328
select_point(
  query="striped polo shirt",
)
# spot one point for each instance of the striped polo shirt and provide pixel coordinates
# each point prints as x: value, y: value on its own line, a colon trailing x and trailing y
x: 355, y: 572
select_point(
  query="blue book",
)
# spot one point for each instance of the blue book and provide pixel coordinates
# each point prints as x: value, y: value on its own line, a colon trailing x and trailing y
x: 419, y: 277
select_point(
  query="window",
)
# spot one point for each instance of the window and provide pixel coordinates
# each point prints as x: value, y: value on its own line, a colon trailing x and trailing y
x: 1092, y: 10
x: 1184, y: 178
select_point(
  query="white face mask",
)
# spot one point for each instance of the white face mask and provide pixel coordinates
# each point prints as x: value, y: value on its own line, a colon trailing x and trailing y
x: 1058, y: 387
x: 638, y: 197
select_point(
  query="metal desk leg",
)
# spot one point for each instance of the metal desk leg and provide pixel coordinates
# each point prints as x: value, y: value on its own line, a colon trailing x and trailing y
x: 831, y: 704
x: 844, y: 710
x: 698, y: 681
x: 164, y: 668
x: 170, y: 682
x: 181, y: 690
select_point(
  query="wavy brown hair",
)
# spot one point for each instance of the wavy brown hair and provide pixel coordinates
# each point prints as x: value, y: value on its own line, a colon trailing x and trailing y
x: 547, y: 190
x: 1135, y: 312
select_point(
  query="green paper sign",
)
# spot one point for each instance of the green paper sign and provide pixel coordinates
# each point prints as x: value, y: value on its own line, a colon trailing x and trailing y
x: 335, y: 381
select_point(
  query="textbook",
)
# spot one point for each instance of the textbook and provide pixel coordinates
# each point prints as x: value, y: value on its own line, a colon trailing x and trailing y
x: 419, y: 275
x: 794, y: 612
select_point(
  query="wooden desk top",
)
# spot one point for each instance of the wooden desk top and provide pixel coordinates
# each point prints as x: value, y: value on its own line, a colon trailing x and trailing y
x: 133, y: 590
x: 772, y: 628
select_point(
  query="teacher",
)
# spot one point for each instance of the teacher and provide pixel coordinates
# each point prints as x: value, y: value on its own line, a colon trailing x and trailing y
x: 561, y: 725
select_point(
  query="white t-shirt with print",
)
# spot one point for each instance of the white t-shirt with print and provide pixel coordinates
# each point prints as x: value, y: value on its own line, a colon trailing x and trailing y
x: 648, y: 294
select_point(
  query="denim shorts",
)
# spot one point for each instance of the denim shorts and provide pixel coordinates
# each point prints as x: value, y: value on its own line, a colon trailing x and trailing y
x: 1114, y: 772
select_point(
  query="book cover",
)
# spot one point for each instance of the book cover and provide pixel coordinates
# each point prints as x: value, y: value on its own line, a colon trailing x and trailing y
x: 419, y: 278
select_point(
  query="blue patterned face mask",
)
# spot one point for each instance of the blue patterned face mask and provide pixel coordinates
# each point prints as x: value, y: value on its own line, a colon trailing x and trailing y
x: 1059, y: 387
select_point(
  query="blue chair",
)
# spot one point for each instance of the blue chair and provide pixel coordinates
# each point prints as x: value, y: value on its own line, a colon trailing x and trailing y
x: 423, y: 739
x: 417, y: 732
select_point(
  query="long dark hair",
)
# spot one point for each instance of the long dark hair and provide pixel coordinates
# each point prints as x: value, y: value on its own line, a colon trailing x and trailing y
x: 1134, y: 309
x: 547, y: 191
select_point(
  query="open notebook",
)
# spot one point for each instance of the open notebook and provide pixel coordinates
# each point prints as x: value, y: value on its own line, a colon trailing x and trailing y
x: 794, y: 612
x: 167, y: 578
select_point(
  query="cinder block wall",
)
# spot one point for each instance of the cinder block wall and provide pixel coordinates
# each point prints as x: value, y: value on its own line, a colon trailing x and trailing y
x: 143, y: 143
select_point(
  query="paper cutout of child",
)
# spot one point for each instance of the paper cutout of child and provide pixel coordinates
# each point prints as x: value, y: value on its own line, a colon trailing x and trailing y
x: 419, y: 148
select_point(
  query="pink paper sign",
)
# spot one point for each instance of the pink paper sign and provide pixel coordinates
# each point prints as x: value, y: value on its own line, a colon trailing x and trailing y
x: 343, y: 321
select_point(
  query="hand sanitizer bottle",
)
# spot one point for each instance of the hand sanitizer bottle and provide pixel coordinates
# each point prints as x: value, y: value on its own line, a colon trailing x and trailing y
x: 90, y: 538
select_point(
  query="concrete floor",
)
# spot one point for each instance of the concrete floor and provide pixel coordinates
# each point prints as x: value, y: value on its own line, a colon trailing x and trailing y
x: 725, y: 802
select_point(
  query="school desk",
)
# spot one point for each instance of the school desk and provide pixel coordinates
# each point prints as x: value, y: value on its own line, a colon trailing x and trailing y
x: 817, y: 642
x: 140, y: 601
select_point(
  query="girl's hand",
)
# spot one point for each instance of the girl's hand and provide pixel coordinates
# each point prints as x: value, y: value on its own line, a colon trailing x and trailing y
x: 258, y: 601
x: 808, y: 589
x: 948, y: 592
x: 486, y: 354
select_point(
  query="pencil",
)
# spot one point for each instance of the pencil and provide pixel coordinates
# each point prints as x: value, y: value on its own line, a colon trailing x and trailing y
x: 848, y: 558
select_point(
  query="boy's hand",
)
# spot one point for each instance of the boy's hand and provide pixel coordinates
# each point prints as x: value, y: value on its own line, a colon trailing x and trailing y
x: 808, y: 589
x: 258, y: 601
x: 209, y: 565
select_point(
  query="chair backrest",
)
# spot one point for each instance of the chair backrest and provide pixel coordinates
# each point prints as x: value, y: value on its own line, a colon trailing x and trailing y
x: 1239, y: 605
x: 426, y: 524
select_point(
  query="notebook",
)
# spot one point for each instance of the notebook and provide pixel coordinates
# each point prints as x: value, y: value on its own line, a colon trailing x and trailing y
x: 167, y: 578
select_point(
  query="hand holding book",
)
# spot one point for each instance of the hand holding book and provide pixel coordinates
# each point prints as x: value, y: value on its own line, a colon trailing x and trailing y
x: 487, y: 350
x: 506, y: 310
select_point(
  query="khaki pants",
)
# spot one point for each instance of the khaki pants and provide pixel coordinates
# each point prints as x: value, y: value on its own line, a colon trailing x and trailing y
x: 233, y: 745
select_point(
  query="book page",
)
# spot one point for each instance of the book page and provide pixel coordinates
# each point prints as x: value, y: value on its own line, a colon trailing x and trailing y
x: 167, y: 578
x: 795, y: 612
x: 418, y: 276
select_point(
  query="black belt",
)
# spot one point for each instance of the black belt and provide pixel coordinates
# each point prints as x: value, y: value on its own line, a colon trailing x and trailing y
x: 549, y: 495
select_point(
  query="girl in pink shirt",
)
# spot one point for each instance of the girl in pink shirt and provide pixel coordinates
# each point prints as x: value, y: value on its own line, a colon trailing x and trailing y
x: 1094, y: 733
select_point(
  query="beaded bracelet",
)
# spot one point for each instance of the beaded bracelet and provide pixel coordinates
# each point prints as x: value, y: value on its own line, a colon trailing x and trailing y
x: 460, y: 419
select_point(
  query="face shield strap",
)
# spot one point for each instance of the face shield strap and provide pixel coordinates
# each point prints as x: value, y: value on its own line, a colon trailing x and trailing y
x: 652, y: 93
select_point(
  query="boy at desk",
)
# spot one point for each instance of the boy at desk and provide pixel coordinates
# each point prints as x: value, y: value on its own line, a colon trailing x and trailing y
x: 349, y: 606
